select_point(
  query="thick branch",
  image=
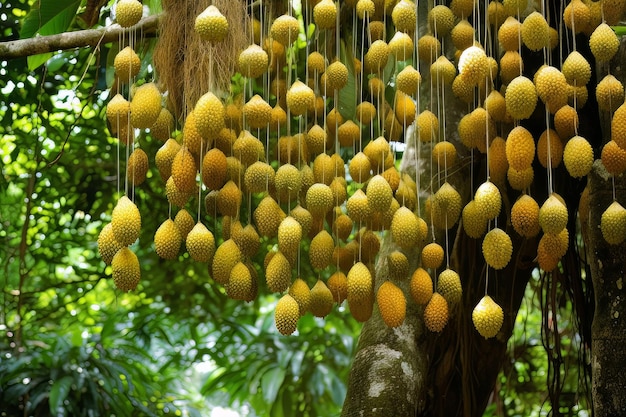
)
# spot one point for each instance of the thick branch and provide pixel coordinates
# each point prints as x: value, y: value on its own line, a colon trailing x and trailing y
x: 68, y: 40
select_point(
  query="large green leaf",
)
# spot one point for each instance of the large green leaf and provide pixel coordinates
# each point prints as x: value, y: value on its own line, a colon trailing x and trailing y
x: 271, y: 382
x: 58, y: 394
x: 50, y: 18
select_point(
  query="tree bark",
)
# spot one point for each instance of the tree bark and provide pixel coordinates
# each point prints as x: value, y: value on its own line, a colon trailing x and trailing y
x: 77, y: 39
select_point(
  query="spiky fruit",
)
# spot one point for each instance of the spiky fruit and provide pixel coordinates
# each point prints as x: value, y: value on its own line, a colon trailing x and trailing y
x: 514, y: 7
x: 316, y: 63
x: 440, y: 20
x: 497, y: 248
x: 338, y: 286
x: 462, y: 35
x: 325, y: 14
x: 421, y: 286
x: 525, y: 216
x: 446, y: 207
x: 126, y: 270
x: 428, y: 126
x: 174, y: 195
x: 127, y: 65
x: 488, y: 200
x: 300, y: 97
x: 253, y: 61
x: 498, y: 164
x: 405, y: 229
x: 443, y: 71
x: 369, y: 244
x: 257, y: 112
x: 551, y: 87
x: 432, y: 256
x: 184, y: 222
x: 288, y: 182
x: 137, y: 167
x: 278, y: 273
x: 511, y: 66
x: 520, y: 179
x: 118, y: 111
x: 404, y: 16
x: 163, y: 126
x: 449, y: 286
x: 509, y: 34
x: 556, y: 245
x: 521, y: 98
x: 520, y: 148
x: 376, y: 57
x: 408, y: 80
x: 167, y: 240
x: 107, y: 245
x: 578, y: 156
x: 577, y: 16
x: 145, y: 106
x: 286, y: 315
x: 319, y: 199
x: 321, y: 300
x: 128, y: 12
x: 365, y: 8
x: 474, y: 223
x: 603, y: 43
x: 125, y: 222
x: 184, y: 170
x: 200, y: 243
x: 401, y: 46
x: 268, y: 215
x: 214, y: 169
x: 487, y: 317
x: 229, y: 199
x: 259, y: 177
x: 209, y: 113
x: 285, y: 29
x: 436, y: 313
x: 473, y: 65
x: 535, y: 32
x: 391, y: 303
x: 613, y: 224
x: 398, y: 265
x: 211, y: 25
x: 618, y: 126
x: 553, y: 215
x: 241, y: 283
x: 379, y: 194
x: 289, y: 236
x: 248, y: 240
x: 566, y: 122
x: 495, y: 105
x: 226, y: 257
x: 496, y: 14
x: 360, y: 167
x: 360, y: 284
x: 321, y: 250
x: 556, y: 149
x: 300, y: 292
x: 576, y: 69
x: 613, y: 158
x: 462, y: 8
x: 609, y: 93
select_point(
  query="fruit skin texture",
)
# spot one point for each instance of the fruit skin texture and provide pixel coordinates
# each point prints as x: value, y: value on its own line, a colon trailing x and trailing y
x: 209, y: 113
x: 286, y: 315
x: 578, y: 156
x: 253, y: 61
x: 128, y: 12
x: 107, y: 245
x: 321, y: 250
x: 553, y: 215
x: 226, y: 257
x: 321, y: 300
x: 487, y: 317
x: 603, y: 43
x: 240, y: 285
x: 278, y: 273
x: 436, y: 313
x: 300, y: 292
x: 200, y: 243
x: 432, y: 256
x: 379, y: 193
x: 525, y: 216
x: 145, y: 106
x: 126, y: 270
x: 497, y: 248
x: 421, y: 286
x: 405, y: 230
x: 488, y: 200
x: 211, y: 25
x: 359, y: 283
x: 127, y: 64
x: 391, y: 303
x: 126, y: 222
x: 167, y: 240
x: 521, y: 98
x: 613, y: 224
x: 449, y: 286
x: 137, y: 167
x: 338, y: 286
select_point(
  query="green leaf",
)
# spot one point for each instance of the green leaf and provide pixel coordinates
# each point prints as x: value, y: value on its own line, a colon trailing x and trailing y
x: 619, y: 30
x: 50, y: 18
x: 35, y: 61
x: 271, y: 382
x: 58, y: 394
x: 347, y: 97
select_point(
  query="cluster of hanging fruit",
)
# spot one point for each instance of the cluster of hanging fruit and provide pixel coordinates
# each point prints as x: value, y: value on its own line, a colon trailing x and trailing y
x: 269, y: 165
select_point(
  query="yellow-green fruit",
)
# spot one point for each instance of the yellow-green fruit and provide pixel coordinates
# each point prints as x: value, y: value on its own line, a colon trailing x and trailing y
x: 167, y: 240
x: 613, y: 224
x: 174, y: 195
x: 521, y: 98
x: 211, y: 25
x: 511, y: 66
x: 497, y: 248
x: 496, y: 14
x: 576, y: 69
x: 432, y: 256
x: 566, y: 122
x: 446, y: 207
x: 449, y: 286
x: 378, y: 152
x: 107, y: 245
x: 405, y: 228
x: 118, y: 111
x: 428, y: 49
x: 288, y: 182
x: 259, y: 177
x: 342, y: 227
x: 286, y: 315
x: 126, y: 270
x: 428, y: 126
x: 126, y: 222
x: 443, y: 71
x: 473, y: 65
x: 577, y: 96
x: 278, y: 118
x: 391, y: 304
x: 474, y: 223
x: 398, y: 265
x: 498, y: 164
x: 520, y: 148
x: 535, y: 32
x: 613, y: 158
x: 440, y: 20
x: 488, y: 200
x: 321, y: 250
x: 376, y: 57
x: 553, y: 215
x: 319, y: 199
x: 248, y: 149
x: 360, y: 284
x: 556, y: 245
x: 379, y: 193
x: 200, y: 243
x: 285, y: 29
x: 253, y: 61
x: 487, y: 317
x: 240, y: 284
x: 421, y: 286
x: 578, y: 156
x: 401, y: 46
x: 257, y: 112
x: 184, y: 222
x: 495, y: 104
x: 336, y: 76
x: 609, y: 93
x: 338, y: 286
x: 214, y: 169
x: 127, y: 65
x: 360, y: 167
x: 618, y: 126
x: 289, y: 236
x: 462, y: 8
x: 137, y: 167
x: 184, y: 170
x: 229, y: 199
x: 551, y: 87
x: 300, y: 292
x: 278, y: 273
x: 365, y: 8
x: 304, y: 217
x: 462, y: 35
x: 226, y: 257
x: 520, y: 179
x: 191, y: 136
x: 209, y: 113
x: 300, y: 97
x: 556, y: 148
x: 128, y: 12
x: 509, y: 34
x: 603, y: 43
x: 408, y: 80
x: 248, y: 240
x: 325, y: 14
x: 358, y: 207
x: 163, y: 126
x: 321, y: 300
x: 404, y: 16
x: 316, y: 140
x: 268, y: 215
x: 316, y: 62
x: 436, y: 313
x: 525, y: 216
x: 514, y: 7
x: 145, y: 106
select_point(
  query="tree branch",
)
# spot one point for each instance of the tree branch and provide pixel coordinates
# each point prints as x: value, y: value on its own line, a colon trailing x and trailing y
x: 69, y: 40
